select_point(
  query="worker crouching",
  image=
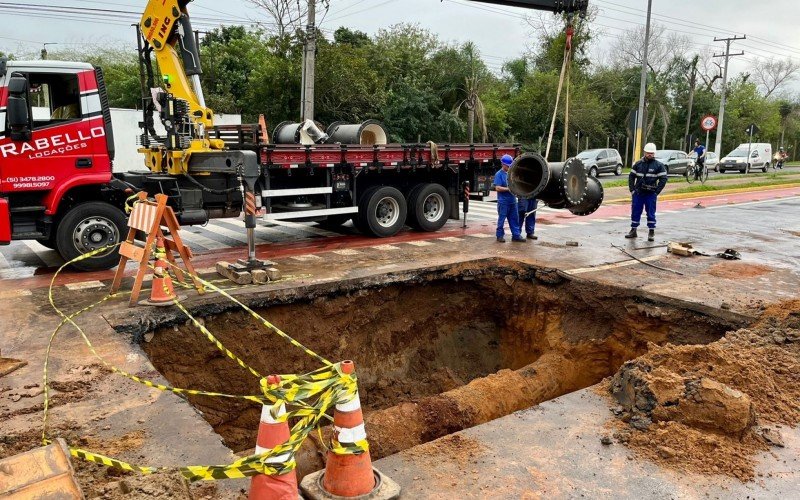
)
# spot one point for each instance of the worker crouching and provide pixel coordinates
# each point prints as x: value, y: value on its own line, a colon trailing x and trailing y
x: 646, y: 181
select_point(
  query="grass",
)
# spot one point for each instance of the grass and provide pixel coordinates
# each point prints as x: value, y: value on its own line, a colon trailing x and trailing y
x: 769, y: 181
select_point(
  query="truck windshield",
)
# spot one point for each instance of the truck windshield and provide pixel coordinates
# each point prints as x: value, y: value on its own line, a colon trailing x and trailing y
x: 738, y: 153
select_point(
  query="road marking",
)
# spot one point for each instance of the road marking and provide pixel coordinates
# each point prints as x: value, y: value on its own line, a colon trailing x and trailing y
x: 347, y: 251
x: 304, y: 227
x: 419, y: 243
x: 619, y: 217
x: 555, y: 225
x: 229, y: 233
x: 10, y: 294
x: 481, y: 235
x: 451, y: 239
x: 202, y: 241
x: 86, y: 285
x: 386, y: 248
x: 3, y: 262
x: 578, y: 223
x: 600, y: 220
x: 49, y: 257
x: 307, y: 258
x: 615, y: 265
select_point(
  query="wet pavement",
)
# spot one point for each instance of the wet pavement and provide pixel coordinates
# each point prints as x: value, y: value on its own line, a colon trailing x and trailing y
x: 764, y: 227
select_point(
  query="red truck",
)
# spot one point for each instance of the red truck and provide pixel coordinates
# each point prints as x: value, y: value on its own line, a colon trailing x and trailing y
x: 57, y: 184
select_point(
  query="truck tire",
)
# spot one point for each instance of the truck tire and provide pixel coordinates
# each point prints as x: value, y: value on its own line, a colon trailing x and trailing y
x: 428, y: 207
x: 381, y: 211
x: 90, y: 226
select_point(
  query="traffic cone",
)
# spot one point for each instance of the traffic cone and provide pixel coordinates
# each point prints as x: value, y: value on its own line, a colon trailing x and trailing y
x: 162, y: 292
x: 349, y: 475
x: 272, y: 433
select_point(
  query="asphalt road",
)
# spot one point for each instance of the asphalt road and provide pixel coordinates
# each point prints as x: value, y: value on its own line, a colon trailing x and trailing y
x: 679, y: 220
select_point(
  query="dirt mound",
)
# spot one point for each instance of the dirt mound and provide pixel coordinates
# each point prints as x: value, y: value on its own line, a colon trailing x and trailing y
x: 695, y: 408
x: 738, y: 270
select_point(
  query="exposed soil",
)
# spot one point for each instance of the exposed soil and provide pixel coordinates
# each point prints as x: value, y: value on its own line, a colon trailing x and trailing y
x: 713, y: 408
x: 435, y: 357
x: 738, y: 270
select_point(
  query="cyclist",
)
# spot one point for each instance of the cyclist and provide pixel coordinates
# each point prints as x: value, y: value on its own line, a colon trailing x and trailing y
x: 780, y: 158
x: 700, y: 151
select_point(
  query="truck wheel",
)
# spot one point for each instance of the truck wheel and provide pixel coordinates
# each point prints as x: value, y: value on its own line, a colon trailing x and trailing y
x: 90, y: 226
x: 382, y: 211
x: 428, y: 207
x: 766, y: 167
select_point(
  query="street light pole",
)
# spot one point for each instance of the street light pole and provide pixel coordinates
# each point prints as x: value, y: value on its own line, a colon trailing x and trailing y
x: 637, y: 145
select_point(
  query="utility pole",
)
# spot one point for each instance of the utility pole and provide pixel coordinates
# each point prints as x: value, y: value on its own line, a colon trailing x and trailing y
x: 309, y: 56
x: 639, y: 136
x: 692, y: 85
x: 727, y: 55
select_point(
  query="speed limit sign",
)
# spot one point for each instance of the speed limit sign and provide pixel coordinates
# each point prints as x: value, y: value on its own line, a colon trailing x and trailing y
x: 709, y: 123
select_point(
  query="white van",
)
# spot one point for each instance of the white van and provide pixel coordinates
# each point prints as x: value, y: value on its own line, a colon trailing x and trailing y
x: 760, y: 158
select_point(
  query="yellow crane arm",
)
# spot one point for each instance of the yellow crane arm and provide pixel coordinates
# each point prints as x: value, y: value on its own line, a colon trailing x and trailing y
x: 166, y: 26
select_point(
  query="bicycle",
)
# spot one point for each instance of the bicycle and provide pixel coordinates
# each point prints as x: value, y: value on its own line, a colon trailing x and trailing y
x: 697, y: 172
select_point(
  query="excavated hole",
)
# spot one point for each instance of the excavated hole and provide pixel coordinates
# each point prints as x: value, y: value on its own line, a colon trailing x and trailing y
x: 415, y: 342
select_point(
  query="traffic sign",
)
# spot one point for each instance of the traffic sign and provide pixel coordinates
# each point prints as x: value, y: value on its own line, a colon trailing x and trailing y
x: 708, y: 123
x: 752, y: 130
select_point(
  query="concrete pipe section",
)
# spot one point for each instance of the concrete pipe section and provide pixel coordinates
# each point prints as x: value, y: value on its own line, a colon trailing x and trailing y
x: 368, y: 133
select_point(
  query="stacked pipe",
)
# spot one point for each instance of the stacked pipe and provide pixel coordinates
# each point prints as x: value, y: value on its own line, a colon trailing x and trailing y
x: 559, y: 185
x: 368, y: 133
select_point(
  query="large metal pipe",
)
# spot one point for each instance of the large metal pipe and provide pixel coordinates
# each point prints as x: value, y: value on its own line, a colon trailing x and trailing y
x: 306, y: 133
x: 592, y: 200
x: 567, y: 185
x: 528, y: 175
x: 368, y: 133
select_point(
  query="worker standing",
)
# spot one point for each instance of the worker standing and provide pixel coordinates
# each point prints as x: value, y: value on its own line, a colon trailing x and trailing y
x: 506, y: 203
x: 527, y: 216
x: 646, y: 181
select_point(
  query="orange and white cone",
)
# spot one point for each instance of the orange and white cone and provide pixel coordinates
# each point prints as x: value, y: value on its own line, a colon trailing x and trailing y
x: 272, y: 433
x: 349, y: 475
x: 162, y: 292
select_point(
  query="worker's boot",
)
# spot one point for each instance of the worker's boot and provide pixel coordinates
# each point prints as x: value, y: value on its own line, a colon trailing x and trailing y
x: 632, y: 234
x: 651, y: 235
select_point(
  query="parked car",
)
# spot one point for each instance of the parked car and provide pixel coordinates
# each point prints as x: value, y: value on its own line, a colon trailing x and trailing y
x: 760, y: 158
x: 677, y: 162
x: 712, y: 160
x: 602, y: 161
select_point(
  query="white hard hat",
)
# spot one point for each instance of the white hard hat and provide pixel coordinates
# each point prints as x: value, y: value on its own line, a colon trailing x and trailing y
x: 650, y: 148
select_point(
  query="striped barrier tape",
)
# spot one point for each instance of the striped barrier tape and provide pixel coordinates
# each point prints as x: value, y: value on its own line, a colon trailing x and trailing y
x: 325, y: 387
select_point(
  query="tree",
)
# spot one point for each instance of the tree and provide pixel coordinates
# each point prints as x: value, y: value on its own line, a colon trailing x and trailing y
x: 288, y: 16
x: 473, y: 85
x: 771, y: 74
x: 120, y: 70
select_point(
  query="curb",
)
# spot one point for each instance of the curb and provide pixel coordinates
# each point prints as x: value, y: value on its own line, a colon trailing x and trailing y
x: 707, y: 194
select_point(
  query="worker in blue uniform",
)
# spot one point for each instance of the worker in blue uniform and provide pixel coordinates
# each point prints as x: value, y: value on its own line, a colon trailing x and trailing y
x: 506, y: 203
x: 527, y: 216
x: 646, y: 181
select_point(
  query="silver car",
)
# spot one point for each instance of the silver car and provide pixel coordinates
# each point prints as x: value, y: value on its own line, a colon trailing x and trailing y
x: 601, y: 161
x: 677, y: 162
x: 712, y: 160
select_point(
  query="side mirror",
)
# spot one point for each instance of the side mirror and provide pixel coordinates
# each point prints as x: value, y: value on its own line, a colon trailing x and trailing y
x: 18, y: 117
x: 671, y: 158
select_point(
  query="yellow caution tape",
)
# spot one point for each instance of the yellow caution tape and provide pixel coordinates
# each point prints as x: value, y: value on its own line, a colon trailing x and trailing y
x: 313, y: 393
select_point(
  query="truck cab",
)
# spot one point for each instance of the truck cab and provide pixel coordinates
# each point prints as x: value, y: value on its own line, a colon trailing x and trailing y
x: 56, y: 153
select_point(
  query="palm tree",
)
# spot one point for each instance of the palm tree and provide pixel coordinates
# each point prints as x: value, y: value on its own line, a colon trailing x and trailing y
x: 472, y: 88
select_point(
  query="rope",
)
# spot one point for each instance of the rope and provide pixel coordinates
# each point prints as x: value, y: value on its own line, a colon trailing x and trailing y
x: 564, y: 71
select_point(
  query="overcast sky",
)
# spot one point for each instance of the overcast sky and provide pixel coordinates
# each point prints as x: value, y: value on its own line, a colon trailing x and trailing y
x: 499, y: 32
